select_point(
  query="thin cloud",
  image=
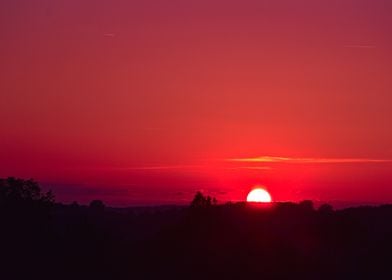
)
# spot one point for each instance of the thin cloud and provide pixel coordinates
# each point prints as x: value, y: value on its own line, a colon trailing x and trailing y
x: 273, y: 159
x: 249, y: 168
x: 360, y: 46
x: 180, y: 167
x: 164, y: 167
x: 142, y: 168
x: 194, y: 167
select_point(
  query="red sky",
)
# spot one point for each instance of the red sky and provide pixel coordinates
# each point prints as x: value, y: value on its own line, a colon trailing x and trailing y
x: 144, y: 102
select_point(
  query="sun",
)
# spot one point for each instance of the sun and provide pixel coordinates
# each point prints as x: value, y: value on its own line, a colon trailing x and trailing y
x: 259, y: 195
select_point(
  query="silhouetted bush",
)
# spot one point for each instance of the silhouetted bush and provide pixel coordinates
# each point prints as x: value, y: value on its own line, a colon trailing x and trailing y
x: 307, y: 205
x: 325, y: 209
x: 201, y: 201
x: 14, y: 190
x: 97, y: 206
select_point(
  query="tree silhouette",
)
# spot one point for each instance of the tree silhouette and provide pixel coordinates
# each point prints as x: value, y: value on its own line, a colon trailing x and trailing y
x: 97, y: 206
x: 202, y: 201
x: 306, y: 205
x: 15, y: 191
x: 325, y: 209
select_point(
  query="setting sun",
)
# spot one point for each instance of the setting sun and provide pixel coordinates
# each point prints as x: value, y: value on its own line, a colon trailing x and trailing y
x: 258, y: 195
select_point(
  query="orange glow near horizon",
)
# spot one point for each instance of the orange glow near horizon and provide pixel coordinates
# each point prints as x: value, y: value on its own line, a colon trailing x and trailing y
x: 259, y: 195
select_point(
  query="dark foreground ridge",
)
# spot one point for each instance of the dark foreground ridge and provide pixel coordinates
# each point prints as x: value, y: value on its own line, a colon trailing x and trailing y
x: 41, y: 239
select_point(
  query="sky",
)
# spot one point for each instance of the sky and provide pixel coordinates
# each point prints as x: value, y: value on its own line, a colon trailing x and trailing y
x: 147, y: 102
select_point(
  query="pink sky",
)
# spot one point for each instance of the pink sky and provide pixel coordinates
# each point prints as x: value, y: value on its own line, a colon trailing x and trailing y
x: 143, y: 102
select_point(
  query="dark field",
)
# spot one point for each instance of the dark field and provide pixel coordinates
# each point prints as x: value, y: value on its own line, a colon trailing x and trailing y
x: 41, y: 239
